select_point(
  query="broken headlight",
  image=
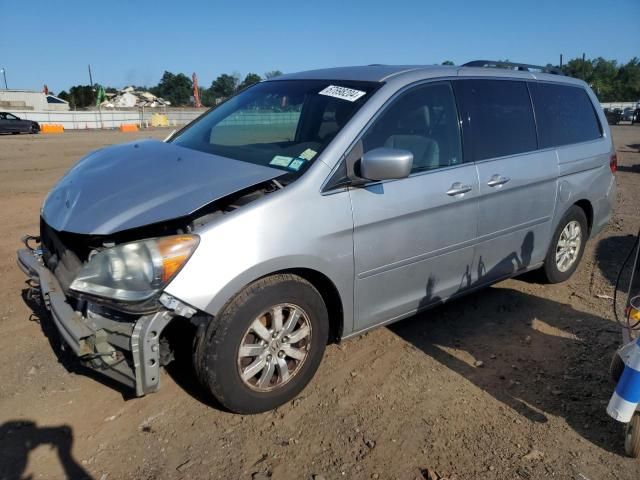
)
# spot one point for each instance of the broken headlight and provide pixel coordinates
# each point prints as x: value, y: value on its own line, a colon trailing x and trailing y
x: 135, y: 271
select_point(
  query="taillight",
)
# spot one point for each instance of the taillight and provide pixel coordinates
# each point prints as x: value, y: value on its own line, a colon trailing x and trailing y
x: 613, y: 162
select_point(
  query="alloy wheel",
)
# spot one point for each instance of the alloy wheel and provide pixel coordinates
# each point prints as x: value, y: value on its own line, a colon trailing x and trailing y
x: 274, y: 347
x: 568, y: 247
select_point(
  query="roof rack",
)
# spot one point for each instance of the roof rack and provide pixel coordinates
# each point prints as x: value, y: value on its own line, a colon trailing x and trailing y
x: 524, y: 67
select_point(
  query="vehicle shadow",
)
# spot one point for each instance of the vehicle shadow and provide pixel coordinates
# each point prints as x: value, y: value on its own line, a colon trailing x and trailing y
x: 70, y: 362
x: 19, y: 437
x: 629, y: 168
x: 610, y: 254
x: 538, y: 357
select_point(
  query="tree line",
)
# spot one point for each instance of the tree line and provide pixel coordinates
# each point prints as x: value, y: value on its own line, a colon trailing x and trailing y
x: 611, y: 81
x: 176, y: 88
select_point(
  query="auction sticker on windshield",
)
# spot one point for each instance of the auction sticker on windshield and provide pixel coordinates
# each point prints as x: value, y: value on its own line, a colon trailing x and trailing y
x: 308, y: 154
x: 343, y: 93
x: 280, y: 161
x: 296, y: 164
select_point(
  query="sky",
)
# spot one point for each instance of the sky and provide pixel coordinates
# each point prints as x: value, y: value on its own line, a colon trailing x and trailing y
x: 134, y: 42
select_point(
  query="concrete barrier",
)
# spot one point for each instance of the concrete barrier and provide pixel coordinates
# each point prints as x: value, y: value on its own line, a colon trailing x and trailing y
x: 51, y: 128
x: 159, y: 120
x: 128, y: 127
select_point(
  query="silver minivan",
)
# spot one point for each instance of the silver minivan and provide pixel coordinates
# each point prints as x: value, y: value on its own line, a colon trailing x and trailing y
x: 313, y: 207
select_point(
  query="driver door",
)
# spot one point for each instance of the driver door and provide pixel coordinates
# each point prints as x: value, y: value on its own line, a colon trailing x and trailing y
x: 13, y: 123
x: 414, y: 237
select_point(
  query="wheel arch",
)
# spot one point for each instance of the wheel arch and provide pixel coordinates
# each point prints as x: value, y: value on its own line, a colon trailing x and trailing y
x: 330, y: 295
x: 328, y: 291
x: 587, y: 208
x: 327, y: 288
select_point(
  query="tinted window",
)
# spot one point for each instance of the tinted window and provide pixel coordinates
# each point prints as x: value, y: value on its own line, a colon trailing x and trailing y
x: 423, y: 121
x: 498, y: 118
x: 564, y: 115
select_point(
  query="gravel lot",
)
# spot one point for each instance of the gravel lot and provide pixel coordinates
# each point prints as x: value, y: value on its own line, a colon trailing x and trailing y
x: 401, y: 402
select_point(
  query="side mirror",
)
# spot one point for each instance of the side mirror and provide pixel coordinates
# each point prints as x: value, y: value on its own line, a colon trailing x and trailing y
x: 386, y: 164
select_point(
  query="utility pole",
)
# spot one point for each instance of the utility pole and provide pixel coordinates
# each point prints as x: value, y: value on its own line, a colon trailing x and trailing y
x: 4, y: 74
x: 583, y: 69
x: 90, y: 77
x: 560, y: 61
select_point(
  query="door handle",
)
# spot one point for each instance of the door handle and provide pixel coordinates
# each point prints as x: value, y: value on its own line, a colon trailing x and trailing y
x: 497, y: 180
x: 458, y: 189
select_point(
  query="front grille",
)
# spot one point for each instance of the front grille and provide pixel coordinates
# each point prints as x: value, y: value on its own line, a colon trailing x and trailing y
x: 61, y: 255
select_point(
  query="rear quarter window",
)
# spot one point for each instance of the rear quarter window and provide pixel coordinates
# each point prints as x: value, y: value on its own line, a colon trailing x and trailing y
x: 564, y: 115
x: 497, y: 118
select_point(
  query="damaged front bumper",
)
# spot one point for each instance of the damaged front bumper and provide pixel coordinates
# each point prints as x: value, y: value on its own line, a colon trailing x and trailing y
x: 126, y: 351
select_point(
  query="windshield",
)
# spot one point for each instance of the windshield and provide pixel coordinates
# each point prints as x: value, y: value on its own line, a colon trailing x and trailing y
x: 283, y: 124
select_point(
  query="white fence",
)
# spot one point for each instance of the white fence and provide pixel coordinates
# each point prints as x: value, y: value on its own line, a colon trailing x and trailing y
x: 107, y: 118
x: 620, y: 105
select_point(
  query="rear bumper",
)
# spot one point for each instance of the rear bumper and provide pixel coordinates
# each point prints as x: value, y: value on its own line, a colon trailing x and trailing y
x: 126, y: 351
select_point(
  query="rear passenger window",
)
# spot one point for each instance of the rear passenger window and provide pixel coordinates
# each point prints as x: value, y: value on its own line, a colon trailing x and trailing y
x: 497, y: 117
x: 424, y: 121
x: 564, y: 115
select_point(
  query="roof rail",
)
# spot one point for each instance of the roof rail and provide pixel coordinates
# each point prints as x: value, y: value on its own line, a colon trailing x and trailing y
x: 513, y: 66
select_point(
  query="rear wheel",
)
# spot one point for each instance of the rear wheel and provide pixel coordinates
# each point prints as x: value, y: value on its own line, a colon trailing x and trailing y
x: 567, y: 246
x: 265, y: 346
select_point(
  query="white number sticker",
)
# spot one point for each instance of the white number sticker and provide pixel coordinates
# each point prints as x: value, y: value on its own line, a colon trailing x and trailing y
x: 343, y: 93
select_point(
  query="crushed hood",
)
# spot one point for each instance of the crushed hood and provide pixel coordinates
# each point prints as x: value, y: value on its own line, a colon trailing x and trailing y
x: 144, y: 182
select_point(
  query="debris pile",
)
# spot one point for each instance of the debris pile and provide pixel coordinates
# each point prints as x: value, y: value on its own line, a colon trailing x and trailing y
x: 129, y: 97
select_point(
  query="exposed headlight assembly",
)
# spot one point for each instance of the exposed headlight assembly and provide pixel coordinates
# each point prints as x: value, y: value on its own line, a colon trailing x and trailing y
x: 135, y: 271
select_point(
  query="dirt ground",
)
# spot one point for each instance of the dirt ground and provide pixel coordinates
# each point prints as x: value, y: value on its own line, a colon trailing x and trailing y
x: 391, y: 404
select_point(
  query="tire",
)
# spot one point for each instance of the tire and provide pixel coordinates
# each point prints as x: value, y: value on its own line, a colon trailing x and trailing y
x: 34, y: 129
x: 217, y: 355
x: 616, y: 367
x: 632, y: 437
x: 552, y: 271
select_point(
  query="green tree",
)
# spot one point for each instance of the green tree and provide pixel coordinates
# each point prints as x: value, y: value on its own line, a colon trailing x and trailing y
x: 579, y: 69
x: 628, y: 81
x: 206, y: 98
x: 224, y: 86
x: 447, y: 62
x: 272, y: 74
x: 80, y: 96
x: 177, y: 89
x: 603, y: 79
x: 611, y: 82
x: 249, y: 80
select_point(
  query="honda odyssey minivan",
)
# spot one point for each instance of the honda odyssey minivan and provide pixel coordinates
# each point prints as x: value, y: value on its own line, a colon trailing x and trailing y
x: 313, y: 207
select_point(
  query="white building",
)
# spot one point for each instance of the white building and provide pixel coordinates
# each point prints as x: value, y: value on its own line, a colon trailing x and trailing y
x: 29, y: 100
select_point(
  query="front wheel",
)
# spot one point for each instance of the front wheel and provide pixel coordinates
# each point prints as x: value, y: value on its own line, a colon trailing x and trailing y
x: 265, y: 345
x: 567, y: 246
